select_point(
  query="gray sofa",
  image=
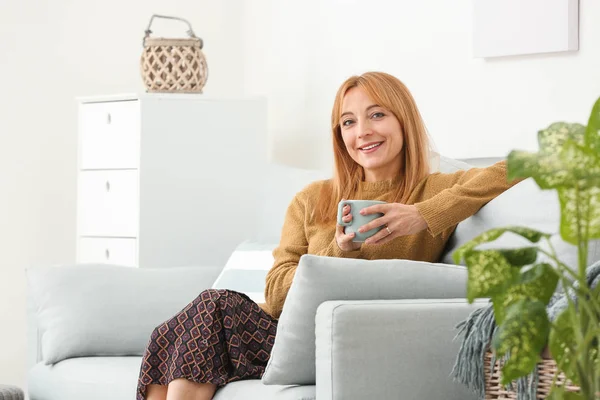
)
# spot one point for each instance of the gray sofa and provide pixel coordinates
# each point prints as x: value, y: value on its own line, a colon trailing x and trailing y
x: 408, y: 349
x: 379, y: 349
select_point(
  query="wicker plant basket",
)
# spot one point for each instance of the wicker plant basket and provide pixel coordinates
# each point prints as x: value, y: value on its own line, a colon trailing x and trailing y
x: 173, y: 65
x: 494, y: 390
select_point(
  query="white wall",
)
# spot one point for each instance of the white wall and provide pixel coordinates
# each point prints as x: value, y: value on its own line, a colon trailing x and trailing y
x: 297, y: 53
x: 472, y: 107
x: 50, y: 52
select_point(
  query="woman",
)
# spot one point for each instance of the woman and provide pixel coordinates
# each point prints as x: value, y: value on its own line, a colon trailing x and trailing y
x: 381, y: 153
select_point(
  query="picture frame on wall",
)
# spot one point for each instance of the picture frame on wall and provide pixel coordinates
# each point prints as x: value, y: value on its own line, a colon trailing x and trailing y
x: 517, y: 27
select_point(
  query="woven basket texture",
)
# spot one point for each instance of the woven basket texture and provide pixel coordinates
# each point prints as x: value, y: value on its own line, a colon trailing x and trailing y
x: 173, y: 65
x: 494, y: 390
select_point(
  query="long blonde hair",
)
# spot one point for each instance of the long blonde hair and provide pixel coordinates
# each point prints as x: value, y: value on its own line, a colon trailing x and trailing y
x: 390, y: 93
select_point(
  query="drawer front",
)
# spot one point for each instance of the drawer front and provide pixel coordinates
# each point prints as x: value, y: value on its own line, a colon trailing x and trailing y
x: 109, y: 135
x: 108, y: 203
x: 108, y: 251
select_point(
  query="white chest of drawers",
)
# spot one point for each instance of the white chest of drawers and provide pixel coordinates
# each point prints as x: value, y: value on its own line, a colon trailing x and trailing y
x: 168, y: 180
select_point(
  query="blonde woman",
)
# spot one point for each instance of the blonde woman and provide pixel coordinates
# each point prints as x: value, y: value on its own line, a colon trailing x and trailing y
x: 381, y: 152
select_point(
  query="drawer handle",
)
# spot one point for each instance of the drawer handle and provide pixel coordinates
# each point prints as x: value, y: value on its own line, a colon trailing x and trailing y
x: 108, y: 118
x: 107, y: 253
x: 107, y: 186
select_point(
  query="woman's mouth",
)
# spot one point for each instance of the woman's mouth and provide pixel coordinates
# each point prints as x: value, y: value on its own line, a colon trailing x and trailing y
x: 371, y: 147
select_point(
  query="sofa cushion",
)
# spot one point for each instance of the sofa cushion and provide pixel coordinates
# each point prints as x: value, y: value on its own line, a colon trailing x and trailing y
x: 524, y: 204
x: 246, y: 270
x: 93, y: 309
x: 90, y: 378
x: 320, y: 279
x: 254, y: 389
x: 115, y: 378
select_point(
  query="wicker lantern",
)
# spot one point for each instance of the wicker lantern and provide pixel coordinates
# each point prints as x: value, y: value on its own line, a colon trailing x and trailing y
x: 173, y: 65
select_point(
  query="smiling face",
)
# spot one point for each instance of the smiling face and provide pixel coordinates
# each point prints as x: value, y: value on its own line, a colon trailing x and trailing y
x: 372, y: 135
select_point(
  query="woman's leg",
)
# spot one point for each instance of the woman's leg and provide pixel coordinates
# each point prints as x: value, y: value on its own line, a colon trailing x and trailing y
x: 156, y: 392
x: 220, y: 337
x: 182, y: 389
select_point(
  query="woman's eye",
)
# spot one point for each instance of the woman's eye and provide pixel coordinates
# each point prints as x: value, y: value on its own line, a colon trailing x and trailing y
x: 377, y: 115
x: 347, y: 122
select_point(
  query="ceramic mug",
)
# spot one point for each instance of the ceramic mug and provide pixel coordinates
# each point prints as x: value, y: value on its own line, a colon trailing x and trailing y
x: 358, y: 219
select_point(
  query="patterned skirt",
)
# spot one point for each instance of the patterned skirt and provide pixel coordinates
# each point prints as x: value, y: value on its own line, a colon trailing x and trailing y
x: 220, y: 337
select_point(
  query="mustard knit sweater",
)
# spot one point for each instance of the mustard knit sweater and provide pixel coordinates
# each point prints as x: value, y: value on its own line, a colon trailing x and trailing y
x: 443, y: 200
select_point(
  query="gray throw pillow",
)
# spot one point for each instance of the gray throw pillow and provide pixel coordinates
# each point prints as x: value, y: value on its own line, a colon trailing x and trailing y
x: 107, y: 310
x: 319, y: 279
x: 525, y: 204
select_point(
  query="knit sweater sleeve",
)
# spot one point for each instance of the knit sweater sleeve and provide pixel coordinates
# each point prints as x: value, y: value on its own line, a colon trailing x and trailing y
x: 459, y: 195
x: 333, y: 250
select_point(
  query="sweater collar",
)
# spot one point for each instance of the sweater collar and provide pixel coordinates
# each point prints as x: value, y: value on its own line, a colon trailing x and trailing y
x: 379, y: 186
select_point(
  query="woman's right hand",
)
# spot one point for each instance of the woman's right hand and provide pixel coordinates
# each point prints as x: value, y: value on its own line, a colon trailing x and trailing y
x: 344, y: 241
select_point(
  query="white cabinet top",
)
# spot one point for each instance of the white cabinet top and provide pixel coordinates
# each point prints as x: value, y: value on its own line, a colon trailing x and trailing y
x: 157, y: 96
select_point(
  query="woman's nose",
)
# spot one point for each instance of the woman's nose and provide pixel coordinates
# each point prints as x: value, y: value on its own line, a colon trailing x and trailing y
x: 364, y: 129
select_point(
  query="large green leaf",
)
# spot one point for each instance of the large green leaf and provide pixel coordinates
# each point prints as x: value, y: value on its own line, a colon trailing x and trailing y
x: 582, y: 163
x: 523, y: 334
x: 462, y: 251
x: 536, y: 283
x: 575, y: 166
x: 552, y: 139
x: 592, y: 133
x: 589, y: 209
x: 562, y: 338
x: 564, y: 159
x: 547, y: 170
x: 572, y: 396
x: 489, y: 274
x: 489, y: 236
x: 559, y: 393
x: 546, y: 167
x: 519, y: 257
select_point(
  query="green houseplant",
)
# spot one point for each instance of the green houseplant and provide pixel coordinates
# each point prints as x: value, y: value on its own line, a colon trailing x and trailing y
x: 520, y: 288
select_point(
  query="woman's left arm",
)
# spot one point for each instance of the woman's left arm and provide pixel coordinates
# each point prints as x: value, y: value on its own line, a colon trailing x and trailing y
x: 461, y: 195
x: 452, y: 198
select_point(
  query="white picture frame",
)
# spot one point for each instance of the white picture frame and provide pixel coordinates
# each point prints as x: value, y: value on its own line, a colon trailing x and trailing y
x: 517, y: 27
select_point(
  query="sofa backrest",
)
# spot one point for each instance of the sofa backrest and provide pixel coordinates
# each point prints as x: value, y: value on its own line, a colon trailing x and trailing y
x: 93, y: 309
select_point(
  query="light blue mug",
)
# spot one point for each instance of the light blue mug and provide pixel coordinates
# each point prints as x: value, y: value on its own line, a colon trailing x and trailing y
x: 358, y: 219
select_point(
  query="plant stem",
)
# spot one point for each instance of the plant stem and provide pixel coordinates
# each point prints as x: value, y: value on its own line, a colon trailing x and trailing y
x: 583, y: 364
x: 583, y: 344
x: 572, y: 313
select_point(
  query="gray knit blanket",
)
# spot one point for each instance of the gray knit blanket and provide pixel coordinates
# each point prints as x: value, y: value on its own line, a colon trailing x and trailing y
x: 477, y: 332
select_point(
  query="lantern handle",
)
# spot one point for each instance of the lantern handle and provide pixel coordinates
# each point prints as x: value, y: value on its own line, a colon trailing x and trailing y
x: 190, y: 31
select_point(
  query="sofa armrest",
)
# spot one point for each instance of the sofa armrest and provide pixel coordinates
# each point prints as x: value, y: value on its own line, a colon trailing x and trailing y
x: 389, y: 349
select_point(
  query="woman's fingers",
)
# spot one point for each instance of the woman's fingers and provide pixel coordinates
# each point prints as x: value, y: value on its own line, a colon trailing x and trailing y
x: 339, y: 230
x: 344, y: 240
x: 346, y: 215
x: 376, y: 208
x: 376, y: 223
x: 383, y: 236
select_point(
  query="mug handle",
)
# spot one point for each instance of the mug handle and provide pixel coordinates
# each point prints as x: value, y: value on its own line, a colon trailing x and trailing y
x: 341, y: 205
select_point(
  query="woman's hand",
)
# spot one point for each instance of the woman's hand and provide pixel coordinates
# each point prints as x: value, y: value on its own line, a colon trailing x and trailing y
x: 344, y: 241
x: 397, y: 220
